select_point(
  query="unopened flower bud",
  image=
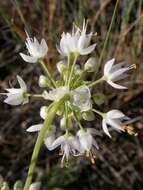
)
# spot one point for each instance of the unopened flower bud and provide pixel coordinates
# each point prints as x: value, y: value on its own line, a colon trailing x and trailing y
x: 78, y: 70
x: 44, y: 112
x: 63, y: 123
x: 43, y: 81
x: 90, y: 65
x: 61, y: 66
x: 5, y: 186
x: 35, y: 186
x: 88, y: 116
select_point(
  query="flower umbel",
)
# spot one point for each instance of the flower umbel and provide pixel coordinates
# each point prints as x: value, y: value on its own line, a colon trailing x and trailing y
x: 68, y: 97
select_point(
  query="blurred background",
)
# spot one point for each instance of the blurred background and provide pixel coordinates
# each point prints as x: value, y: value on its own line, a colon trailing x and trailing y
x: 120, y: 162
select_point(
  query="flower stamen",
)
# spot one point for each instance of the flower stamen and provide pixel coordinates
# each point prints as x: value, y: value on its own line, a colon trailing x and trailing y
x: 133, y: 66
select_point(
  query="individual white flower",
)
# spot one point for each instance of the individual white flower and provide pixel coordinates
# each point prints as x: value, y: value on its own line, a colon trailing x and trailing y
x: 113, y: 73
x: 35, y: 49
x: 35, y: 186
x: 16, y: 96
x: 77, y: 42
x: 87, y: 142
x: 69, y: 146
x: 56, y: 94
x: 113, y: 118
x: 81, y: 97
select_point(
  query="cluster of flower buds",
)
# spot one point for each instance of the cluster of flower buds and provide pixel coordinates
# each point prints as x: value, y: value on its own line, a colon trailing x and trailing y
x: 74, y: 138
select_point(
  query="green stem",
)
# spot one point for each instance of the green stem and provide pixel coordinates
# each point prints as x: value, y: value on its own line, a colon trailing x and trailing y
x: 66, y: 81
x: 72, y: 69
x: 96, y: 82
x: 77, y: 120
x: 48, y: 73
x: 106, y: 38
x: 66, y: 114
x: 99, y: 113
x: 39, y: 142
x: 34, y: 95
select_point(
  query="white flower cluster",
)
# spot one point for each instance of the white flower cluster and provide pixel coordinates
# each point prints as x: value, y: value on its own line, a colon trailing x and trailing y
x: 75, y: 139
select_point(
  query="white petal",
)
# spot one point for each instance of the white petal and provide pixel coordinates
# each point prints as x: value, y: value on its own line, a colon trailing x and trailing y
x: 35, y: 128
x: 86, y: 106
x: 49, y: 141
x: 94, y: 131
x: 105, y: 128
x: 117, y: 66
x: 62, y: 160
x: 95, y: 144
x: 120, y: 77
x: 85, y: 139
x: 81, y: 42
x: 28, y: 58
x: 74, y: 143
x: 80, y: 97
x: 43, y: 112
x: 64, y: 44
x: 83, y: 90
x: 44, y: 47
x: 108, y: 66
x: 113, y: 114
x: 56, y: 94
x: 117, y: 86
x: 14, y: 99
x: 115, y: 124
x: 59, y: 50
x: 84, y: 41
x: 57, y: 142
x: 13, y: 91
x: 87, y: 50
x: 117, y: 73
x: 66, y: 150
x: 21, y: 83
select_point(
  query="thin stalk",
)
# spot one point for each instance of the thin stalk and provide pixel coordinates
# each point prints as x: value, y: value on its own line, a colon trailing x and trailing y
x: 66, y: 115
x: 34, y: 95
x: 66, y: 81
x: 39, y: 142
x: 98, y: 112
x: 48, y: 73
x: 77, y: 120
x: 96, y: 82
x: 107, y: 37
x: 17, y: 6
x: 72, y: 69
